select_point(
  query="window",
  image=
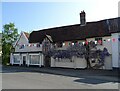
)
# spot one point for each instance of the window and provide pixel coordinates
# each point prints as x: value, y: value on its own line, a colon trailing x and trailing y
x: 34, y: 59
x: 16, y: 58
x: 99, y: 40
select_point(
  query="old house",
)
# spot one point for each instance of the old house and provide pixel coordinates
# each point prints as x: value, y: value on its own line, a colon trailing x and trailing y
x: 26, y: 53
x: 104, y: 32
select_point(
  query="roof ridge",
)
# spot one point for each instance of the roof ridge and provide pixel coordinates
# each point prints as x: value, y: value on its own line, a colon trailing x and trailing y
x: 44, y: 29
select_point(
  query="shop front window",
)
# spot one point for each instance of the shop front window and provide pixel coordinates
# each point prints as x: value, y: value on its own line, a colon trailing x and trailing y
x: 34, y: 59
x: 16, y: 58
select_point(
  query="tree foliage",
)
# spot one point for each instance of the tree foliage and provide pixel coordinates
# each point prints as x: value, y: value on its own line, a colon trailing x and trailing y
x: 0, y: 41
x: 9, y: 36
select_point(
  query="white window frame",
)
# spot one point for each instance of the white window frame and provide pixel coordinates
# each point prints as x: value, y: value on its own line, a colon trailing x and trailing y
x: 13, y: 59
x: 35, y: 55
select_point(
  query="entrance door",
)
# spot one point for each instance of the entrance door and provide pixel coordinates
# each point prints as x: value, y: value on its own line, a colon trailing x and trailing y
x: 24, y: 60
x: 47, y: 61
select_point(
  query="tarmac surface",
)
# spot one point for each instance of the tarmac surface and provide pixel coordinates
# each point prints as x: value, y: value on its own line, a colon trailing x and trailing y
x: 16, y: 77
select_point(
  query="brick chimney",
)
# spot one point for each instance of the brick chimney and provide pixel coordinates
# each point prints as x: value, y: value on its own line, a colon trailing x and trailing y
x: 82, y: 18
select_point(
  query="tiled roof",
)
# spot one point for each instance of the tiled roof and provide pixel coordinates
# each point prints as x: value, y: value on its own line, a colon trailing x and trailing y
x: 26, y: 34
x: 77, y: 32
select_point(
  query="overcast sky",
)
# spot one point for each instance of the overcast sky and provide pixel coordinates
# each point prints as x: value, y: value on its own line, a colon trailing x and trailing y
x: 29, y: 15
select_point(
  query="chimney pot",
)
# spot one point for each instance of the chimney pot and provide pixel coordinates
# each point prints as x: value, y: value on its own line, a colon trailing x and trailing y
x: 83, y: 18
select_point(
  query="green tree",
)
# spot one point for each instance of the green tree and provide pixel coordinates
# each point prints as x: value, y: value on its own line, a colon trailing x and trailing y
x: 0, y: 42
x: 9, y: 36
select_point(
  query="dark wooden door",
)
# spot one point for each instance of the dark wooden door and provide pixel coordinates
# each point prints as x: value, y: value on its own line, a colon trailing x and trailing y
x: 47, y: 61
x: 24, y: 60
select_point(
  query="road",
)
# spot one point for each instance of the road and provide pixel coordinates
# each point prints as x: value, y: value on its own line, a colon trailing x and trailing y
x: 26, y: 79
x: 0, y: 77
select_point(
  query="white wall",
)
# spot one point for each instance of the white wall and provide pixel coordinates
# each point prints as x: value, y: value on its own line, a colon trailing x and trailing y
x: 79, y: 63
x: 108, y: 62
x: 64, y: 47
x: 107, y: 44
x: 115, y: 50
x: 23, y: 40
x: 66, y: 63
x: 119, y: 49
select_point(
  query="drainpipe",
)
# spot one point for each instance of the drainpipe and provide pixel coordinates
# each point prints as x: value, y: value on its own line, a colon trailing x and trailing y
x: 27, y: 59
x: 40, y: 60
x: 11, y: 58
x: 20, y: 59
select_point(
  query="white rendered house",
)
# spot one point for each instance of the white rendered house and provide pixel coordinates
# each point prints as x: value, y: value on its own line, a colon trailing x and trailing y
x: 29, y: 49
x: 106, y: 31
x: 26, y: 53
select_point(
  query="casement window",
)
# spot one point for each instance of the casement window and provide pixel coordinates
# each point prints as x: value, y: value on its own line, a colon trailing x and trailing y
x: 99, y: 40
